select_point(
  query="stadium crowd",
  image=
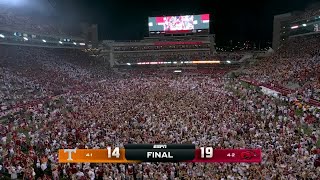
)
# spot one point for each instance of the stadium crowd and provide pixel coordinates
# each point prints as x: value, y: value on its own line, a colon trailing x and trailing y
x: 170, y: 53
x: 162, y: 47
x: 310, y: 13
x: 162, y: 56
x: 55, y: 98
x: 28, y: 24
x: 297, y: 62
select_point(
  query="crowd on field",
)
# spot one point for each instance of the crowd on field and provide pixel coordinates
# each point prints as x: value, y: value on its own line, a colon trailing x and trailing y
x: 58, y: 98
x: 55, y: 98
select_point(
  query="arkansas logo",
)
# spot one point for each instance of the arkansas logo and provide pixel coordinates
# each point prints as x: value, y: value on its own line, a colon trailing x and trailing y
x: 247, y: 155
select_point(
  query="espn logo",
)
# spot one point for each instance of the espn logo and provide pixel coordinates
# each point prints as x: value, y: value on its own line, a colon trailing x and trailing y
x: 159, y: 146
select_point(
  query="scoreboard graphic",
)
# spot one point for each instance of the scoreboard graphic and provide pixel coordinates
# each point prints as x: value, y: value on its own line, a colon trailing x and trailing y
x: 137, y: 153
x: 186, y: 23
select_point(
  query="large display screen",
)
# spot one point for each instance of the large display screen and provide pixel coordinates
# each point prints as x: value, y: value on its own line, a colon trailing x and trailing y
x: 179, y: 23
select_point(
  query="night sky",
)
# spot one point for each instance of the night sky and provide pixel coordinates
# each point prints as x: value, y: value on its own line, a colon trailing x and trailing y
x: 230, y: 20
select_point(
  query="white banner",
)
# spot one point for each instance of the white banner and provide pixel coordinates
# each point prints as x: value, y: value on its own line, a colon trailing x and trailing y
x: 270, y: 92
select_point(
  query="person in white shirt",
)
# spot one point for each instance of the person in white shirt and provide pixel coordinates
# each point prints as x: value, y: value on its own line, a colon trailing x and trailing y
x: 164, y: 177
x: 79, y: 174
x: 91, y: 174
x: 13, y: 172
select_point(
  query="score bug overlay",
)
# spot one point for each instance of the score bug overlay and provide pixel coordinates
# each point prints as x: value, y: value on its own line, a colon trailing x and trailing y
x: 206, y: 152
x: 135, y: 153
x: 160, y: 152
x: 210, y: 155
x: 109, y: 155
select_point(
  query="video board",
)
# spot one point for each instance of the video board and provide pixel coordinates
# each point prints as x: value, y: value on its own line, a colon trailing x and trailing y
x: 179, y: 23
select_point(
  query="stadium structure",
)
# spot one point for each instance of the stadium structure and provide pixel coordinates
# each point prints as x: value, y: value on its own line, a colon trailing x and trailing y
x: 19, y: 27
x: 294, y: 24
x: 55, y: 102
x: 177, y: 50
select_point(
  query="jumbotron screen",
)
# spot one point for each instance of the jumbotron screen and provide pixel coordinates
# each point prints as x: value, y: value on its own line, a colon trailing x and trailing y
x: 179, y: 23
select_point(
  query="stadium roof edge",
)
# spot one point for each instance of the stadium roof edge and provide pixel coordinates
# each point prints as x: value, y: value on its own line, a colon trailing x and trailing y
x: 42, y: 46
x: 39, y: 34
x: 284, y: 15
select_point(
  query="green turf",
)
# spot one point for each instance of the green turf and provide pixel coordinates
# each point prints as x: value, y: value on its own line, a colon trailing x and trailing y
x: 299, y: 112
x: 318, y: 144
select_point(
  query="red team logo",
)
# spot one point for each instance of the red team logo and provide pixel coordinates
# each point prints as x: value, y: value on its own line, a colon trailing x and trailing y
x: 247, y: 155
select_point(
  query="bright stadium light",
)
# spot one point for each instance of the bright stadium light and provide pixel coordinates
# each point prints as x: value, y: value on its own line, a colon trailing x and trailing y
x: 2, y: 36
x: 228, y: 62
x: 44, y: 41
x: 177, y: 71
x: 10, y: 2
x: 304, y: 25
x: 205, y: 62
x: 60, y: 42
x: 128, y: 64
x: 82, y: 44
x: 294, y: 27
x: 26, y: 39
x: 74, y: 43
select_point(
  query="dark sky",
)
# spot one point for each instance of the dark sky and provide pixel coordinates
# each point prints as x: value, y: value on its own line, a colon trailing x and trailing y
x: 236, y: 20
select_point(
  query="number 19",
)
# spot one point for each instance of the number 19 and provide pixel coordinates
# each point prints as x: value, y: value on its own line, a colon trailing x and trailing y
x: 206, y: 152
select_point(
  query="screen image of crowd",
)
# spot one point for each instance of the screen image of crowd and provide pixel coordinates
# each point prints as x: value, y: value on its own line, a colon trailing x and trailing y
x: 52, y: 99
x: 174, y: 23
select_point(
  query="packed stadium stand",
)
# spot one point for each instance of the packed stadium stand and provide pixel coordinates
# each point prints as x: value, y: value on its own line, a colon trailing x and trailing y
x: 63, y: 98
x: 29, y: 28
x: 297, y: 62
x: 29, y: 24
